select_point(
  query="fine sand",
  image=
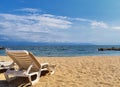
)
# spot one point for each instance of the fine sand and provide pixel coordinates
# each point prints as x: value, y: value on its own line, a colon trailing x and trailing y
x: 87, y: 71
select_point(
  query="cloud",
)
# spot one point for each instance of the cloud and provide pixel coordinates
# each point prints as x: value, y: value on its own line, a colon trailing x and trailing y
x: 116, y: 27
x: 95, y: 24
x: 83, y: 19
x: 92, y: 23
x: 47, y: 27
x: 36, y: 27
x: 31, y: 10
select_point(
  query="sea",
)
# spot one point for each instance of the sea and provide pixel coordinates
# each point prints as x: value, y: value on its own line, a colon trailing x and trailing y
x: 66, y: 50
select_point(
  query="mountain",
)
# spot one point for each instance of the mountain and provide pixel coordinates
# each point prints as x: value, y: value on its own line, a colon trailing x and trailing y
x: 13, y: 43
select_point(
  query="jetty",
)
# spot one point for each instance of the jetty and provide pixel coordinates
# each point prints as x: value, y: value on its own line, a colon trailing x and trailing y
x: 110, y: 49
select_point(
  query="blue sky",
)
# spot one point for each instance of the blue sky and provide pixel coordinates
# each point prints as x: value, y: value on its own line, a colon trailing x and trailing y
x: 76, y: 21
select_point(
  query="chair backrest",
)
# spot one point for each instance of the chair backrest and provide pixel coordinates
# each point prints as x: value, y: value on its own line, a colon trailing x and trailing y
x: 24, y: 59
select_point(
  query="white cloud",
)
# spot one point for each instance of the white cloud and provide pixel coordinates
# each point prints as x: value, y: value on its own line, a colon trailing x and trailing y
x: 95, y: 24
x: 116, y: 27
x: 83, y: 19
x: 32, y: 10
x: 54, y: 22
x: 32, y: 27
x: 46, y: 27
x: 92, y: 23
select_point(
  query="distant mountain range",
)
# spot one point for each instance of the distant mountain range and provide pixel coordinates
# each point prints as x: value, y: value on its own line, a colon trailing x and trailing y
x: 9, y: 43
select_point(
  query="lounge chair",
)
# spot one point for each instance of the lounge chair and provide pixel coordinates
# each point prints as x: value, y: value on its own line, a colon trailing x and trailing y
x: 5, y: 65
x: 28, y: 66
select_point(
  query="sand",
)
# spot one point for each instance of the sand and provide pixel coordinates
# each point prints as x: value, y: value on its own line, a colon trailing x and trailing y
x: 84, y: 71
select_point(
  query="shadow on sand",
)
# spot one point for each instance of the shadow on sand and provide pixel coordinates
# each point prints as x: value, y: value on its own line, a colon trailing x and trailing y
x: 17, y: 82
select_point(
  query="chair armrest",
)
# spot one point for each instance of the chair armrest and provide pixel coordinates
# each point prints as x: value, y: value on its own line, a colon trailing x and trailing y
x: 44, y: 65
x: 11, y: 65
x: 29, y: 68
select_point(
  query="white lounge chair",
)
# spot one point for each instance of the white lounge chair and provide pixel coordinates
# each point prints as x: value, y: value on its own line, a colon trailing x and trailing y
x: 5, y: 65
x: 28, y: 66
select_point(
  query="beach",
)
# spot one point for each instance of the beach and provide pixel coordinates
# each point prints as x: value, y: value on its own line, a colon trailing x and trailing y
x: 83, y: 71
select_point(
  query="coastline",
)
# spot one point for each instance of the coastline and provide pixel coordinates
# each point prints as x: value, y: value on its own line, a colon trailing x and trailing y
x: 82, y: 71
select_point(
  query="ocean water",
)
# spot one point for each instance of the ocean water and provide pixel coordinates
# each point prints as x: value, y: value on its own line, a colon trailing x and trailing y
x: 66, y: 50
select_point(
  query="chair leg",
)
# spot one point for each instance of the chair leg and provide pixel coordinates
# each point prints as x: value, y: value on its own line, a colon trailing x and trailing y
x: 32, y: 82
x: 7, y: 77
x: 51, y: 69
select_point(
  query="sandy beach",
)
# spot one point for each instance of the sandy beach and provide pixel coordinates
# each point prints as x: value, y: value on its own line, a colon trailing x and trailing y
x: 84, y: 71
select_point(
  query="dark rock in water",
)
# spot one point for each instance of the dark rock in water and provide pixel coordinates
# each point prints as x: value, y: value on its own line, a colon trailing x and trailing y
x: 112, y: 48
x: 2, y: 48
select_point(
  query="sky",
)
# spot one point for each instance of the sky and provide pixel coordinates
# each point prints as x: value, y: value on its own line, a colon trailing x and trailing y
x: 65, y: 21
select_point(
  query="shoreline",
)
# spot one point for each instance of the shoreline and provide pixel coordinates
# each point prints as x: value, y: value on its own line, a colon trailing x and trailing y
x: 82, y: 71
x: 70, y: 56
